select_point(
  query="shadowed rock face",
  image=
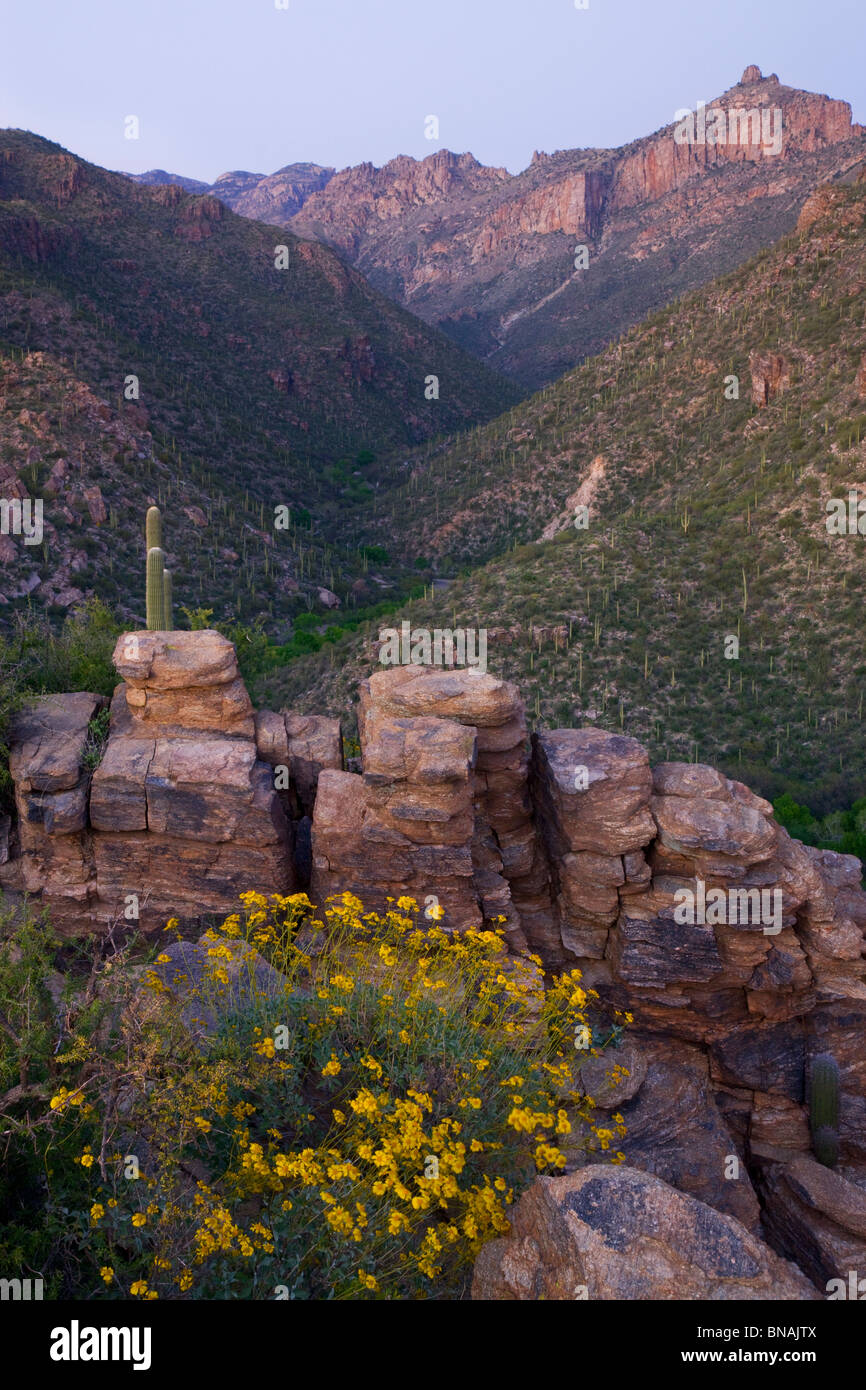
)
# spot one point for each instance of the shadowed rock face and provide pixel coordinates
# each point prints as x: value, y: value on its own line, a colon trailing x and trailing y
x: 818, y: 1218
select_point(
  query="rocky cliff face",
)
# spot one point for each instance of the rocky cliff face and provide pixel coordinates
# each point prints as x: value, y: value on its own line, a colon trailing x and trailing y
x: 490, y: 257
x: 739, y: 952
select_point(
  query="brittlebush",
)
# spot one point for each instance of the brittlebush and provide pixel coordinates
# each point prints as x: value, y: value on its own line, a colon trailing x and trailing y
x: 357, y: 1125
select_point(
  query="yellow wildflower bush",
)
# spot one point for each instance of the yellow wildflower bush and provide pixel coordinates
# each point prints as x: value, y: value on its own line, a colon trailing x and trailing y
x: 356, y: 1126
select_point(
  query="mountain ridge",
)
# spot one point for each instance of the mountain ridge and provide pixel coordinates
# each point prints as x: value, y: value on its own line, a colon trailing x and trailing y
x: 489, y: 256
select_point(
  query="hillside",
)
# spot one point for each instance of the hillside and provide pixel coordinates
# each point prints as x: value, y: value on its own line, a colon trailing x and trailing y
x: 707, y: 520
x: 490, y: 257
x: 265, y: 377
x: 96, y: 470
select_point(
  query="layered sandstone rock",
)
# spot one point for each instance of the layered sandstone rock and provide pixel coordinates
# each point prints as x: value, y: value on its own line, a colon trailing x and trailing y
x: 405, y: 826
x: 740, y: 953
x: 591, y: 792
x: 756, y: 987
x: 304, y: 745
x: 186, y: 680
x: 507, y: 875
x: 48, y: 741
x: 180, y: 815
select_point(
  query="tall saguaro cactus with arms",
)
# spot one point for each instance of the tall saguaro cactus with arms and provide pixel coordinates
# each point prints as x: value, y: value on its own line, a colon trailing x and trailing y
x: 159, y: 598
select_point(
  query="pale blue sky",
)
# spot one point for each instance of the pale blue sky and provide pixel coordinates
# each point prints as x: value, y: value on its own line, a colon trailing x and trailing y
x: 240, y: 84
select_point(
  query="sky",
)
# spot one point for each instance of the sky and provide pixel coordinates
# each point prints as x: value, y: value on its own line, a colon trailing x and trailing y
x: 242, y: 84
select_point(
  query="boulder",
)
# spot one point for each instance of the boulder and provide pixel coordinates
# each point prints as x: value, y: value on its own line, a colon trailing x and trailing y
x: 615, y: 1233
x: 226, y: 708
x: 175, y: 660
x: 469, y: 696
x: 212, y: 978
x: 184, y: 680
x: 304, y: 744
x: 315, y: 742
x: 722, y: 827
x: 676, y: 1131
x: 427, y: 751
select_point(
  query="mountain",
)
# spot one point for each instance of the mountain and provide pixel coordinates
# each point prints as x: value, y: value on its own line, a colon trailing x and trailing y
x: 176, y: 289
x: 155, y: 178
x: 707, y: 444
x: 278, y: 385
x: 264, y: 197
x: 490, y: 257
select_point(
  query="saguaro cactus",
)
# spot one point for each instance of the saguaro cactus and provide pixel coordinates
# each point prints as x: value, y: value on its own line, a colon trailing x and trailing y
x: 153, y: 528
x: 168, y: 613
x: 160, y: 616
x: 824, y: 1108
x: 156, y: 616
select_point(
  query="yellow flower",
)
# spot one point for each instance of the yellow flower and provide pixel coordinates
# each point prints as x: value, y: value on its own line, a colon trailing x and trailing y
x: 106, y: 1273
x: 86, y: 1160
x: 204, y: 1125
x: 97, y: 1211
x: 139, y: 1219
x: 185, y: 1281
x: 342, y: 982
x: 332, y: 1068
x: 139, y: 1288
x: 368, y: 1281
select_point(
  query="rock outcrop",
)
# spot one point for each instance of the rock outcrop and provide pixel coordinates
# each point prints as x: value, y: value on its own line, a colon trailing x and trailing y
x: 47, y: 764
x: 180, y: 815
x: 494, y: 849
x: 738, y: 952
